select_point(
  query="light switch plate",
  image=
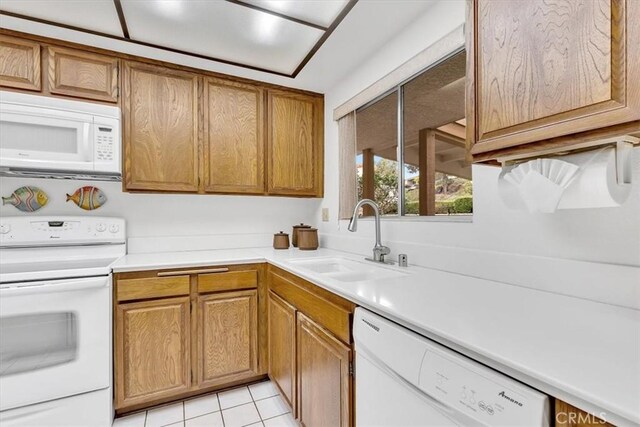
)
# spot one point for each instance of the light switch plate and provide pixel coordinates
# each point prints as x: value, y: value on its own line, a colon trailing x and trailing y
x: 325, y: 214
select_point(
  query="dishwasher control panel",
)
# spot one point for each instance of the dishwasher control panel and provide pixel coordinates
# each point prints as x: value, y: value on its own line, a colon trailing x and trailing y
x: 479, y: 392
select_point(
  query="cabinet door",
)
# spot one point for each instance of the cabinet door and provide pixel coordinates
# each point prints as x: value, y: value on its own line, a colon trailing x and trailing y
x: 82, y: 74
x: 152, y: 350
x: 227, y: 337
x: 295, y: 144
x: 324, y: 382
x: 160, y: 129
x: 569, y: 416
x: 282, y: 347
x: 233, y: 137
x: 546, y: 69
x: 19, y: 63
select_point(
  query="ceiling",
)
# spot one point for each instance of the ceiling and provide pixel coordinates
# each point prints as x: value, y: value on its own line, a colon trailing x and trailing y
x: 275, y: 36
x: 433, y: 100
x: 366, y: 28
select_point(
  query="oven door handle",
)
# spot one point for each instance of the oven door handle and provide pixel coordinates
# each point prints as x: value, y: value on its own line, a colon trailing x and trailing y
x: 71, y: 285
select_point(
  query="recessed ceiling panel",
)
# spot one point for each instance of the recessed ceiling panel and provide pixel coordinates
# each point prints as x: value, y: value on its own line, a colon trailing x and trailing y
x: 319, y: 12
x: 95, y: 15
x: 221, y: 30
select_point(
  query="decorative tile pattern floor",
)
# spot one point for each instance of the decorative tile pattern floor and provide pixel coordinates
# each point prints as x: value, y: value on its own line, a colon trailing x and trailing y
x: 257, y: 405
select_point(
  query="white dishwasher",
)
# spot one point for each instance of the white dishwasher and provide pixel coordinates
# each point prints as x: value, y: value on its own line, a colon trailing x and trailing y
x: 404, y: 379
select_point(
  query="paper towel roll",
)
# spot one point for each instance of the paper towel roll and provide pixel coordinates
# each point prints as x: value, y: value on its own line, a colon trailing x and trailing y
x: 593, y: 186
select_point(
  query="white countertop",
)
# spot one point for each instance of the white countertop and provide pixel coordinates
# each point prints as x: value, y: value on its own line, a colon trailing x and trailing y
x: 583, y: 352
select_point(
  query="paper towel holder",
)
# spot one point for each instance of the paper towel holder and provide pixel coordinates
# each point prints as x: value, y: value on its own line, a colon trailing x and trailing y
x: 623, y: 161
x: 623, y: 147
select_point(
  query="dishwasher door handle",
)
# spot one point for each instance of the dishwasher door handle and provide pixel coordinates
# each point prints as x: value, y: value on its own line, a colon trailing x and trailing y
x: 427, y: 398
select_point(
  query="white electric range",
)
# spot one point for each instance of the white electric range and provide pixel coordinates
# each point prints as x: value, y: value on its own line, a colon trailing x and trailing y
x: 55, y: 319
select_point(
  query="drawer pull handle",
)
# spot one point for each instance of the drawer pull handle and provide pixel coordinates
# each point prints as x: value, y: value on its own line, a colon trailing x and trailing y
x: 200, y: 271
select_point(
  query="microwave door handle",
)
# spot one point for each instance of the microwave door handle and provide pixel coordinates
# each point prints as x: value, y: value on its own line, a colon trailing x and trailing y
x: 51, y: 287
x: 87, y: 141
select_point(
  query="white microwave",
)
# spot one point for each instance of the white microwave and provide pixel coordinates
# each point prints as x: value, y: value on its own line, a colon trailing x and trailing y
x: 42, y: 134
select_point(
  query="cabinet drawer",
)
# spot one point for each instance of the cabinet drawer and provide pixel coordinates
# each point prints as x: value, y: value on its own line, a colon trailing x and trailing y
x: 328, y: 315
x: 227, y: 281
x: 151, y: 287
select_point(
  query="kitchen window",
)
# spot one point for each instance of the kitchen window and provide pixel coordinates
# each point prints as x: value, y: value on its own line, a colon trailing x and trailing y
x: 410, y: 145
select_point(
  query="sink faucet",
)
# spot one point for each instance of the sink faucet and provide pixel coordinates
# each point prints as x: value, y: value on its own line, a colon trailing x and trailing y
x: 379, y: 251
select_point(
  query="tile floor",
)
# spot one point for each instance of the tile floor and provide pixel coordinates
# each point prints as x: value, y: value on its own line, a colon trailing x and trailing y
x: 257, y: 405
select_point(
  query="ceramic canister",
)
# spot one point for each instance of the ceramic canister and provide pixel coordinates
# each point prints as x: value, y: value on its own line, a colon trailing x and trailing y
x: 281, y: 240
x: 294, y: 235
x: 308, y: 239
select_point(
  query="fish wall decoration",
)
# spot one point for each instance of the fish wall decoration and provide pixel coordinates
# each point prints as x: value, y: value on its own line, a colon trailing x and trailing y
x: 88, y: 198
x: 27, y: 199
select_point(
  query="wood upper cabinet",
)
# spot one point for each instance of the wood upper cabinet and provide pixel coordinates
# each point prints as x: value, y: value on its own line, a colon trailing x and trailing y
x: 160, y: 129
x: 152, y: 350
x: 227, y: 337
x: 233, y: 137
x: 539, y: 70
x: 19, y: 63
x: 282, y: 347
x: 324, y: 383
x: 82, y: 74
x: 294, y: 144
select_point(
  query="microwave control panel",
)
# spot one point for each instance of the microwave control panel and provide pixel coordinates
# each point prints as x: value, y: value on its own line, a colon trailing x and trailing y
x: 105, y: 143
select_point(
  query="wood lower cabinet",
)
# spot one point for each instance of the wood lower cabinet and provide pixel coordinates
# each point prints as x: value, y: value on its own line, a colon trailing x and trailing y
x: 294, y: 144
x: 20, y: 63
x: 160, y: 129
x: 152, y: 350
x: 282, y: 347
x: 310, y: 349
x: 541, y: 75
x: 233, y: 137
x: 324, y: 382
x: 179, y: 333
x: 227, y: 337
x: 82, y: 74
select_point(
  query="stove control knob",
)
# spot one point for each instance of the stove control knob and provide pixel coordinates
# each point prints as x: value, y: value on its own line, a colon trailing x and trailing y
x: 114, y: 228
x: 100, y: 227
x: 5, y: 228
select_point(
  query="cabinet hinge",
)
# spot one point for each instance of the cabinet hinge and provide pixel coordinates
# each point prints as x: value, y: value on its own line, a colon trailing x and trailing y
x: 351, y: 369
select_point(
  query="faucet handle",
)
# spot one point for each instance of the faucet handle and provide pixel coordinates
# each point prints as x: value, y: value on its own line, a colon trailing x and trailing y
x: 384, y: 250
x: 379, y: 252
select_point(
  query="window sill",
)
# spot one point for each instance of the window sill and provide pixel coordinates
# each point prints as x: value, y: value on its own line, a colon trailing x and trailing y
x: 438, y: 218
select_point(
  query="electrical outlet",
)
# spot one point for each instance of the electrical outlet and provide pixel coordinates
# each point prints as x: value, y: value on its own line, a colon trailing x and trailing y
x: 325, y: 214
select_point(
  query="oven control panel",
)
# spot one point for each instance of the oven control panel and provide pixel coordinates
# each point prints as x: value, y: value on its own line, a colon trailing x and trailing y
x: 54, y: 231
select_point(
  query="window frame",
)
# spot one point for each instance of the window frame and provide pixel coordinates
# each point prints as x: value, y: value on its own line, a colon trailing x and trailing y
x: 399, y: 89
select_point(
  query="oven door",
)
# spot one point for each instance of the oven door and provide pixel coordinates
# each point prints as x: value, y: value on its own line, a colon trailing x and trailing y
x: 45, y: 138
x: 54, y: 339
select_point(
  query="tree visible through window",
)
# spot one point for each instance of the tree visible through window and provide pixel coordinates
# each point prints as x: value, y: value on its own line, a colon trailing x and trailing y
x: 432, y: 177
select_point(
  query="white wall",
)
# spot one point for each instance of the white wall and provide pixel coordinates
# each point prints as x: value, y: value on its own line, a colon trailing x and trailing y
x: 214, y: 220
x: 608, y: 235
